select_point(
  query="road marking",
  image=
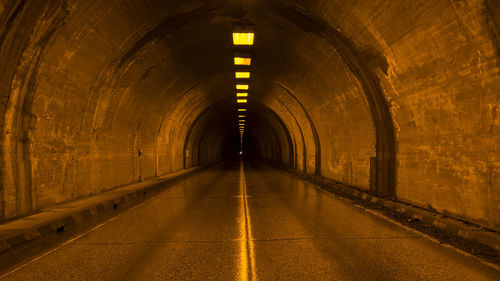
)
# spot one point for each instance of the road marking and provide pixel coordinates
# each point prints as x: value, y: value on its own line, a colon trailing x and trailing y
x: 247, y: 251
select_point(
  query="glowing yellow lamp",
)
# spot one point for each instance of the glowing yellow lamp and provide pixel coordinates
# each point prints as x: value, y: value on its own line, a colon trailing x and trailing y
x: 242, y: 109
x: 242, y: 116
x: 242, y: 74
x: 241, y: 100
x: 243, y: 38
x: 242, y: 94
x: 242, y: 61
x: 241, y: 87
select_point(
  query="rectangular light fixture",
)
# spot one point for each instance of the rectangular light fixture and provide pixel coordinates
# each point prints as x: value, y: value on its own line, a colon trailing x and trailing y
x: 242, y: 94
x: 242, y: 116
x: 242, y: 74
x: 242, y: 109
x: 241, y: 100
x: 241, y: 87
x: 242, y: 61
x: 242, y: 121
x: 240, y: 38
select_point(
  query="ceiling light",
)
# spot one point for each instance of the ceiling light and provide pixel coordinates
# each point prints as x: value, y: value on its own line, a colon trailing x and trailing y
x: 242, y: 116
x: 242, y: 61
x: 241, y: 100
x: 242, y: 74
x: 242, y: 109
x: 242, y: 94
x: 240, y: 38
x: 241, y: 87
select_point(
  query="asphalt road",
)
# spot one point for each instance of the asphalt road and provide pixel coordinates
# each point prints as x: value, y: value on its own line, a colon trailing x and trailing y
x: 260, y: 224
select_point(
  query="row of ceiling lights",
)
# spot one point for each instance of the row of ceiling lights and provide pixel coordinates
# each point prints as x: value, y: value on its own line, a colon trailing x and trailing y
x: 242, y: 40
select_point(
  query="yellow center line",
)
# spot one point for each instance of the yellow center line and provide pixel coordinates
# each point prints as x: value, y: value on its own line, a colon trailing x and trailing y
x: 247, y: 256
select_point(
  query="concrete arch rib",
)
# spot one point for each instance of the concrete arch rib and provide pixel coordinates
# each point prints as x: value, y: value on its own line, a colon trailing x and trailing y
x: 214, y: 118
x: 286, y: 148
x: 317, y: 145
x: 383, y: 165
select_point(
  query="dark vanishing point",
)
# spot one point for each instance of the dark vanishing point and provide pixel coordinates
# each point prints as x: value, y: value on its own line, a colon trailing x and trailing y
x: 250, y: 140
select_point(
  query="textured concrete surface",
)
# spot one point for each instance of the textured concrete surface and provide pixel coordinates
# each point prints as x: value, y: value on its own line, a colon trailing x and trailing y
x: 398, y: 98
x: 195, y: 230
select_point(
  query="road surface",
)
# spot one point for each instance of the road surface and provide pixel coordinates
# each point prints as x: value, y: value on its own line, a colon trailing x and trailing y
x: 256, y: 223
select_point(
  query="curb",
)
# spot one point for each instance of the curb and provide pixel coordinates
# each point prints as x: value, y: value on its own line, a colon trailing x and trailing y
x: 15, y: 237
x: 452, y: 226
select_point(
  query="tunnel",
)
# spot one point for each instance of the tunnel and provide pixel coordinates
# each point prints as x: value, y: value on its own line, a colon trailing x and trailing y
x: 393, y: 100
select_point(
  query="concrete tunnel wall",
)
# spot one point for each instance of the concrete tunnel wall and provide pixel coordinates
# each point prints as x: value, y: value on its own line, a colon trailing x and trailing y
x: 399, y: 98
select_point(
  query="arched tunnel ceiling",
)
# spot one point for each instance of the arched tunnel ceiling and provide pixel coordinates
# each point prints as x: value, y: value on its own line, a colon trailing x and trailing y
x: 358, y: 92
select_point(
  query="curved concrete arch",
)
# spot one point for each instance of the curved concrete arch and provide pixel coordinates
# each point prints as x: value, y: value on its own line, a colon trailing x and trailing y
x: 385, y: 158
x: 317, y: 145
x: 291, y: 145
x: 189, y: 95
x: 92, y: 95
x: 209, y: 115
x: 190, y: 132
